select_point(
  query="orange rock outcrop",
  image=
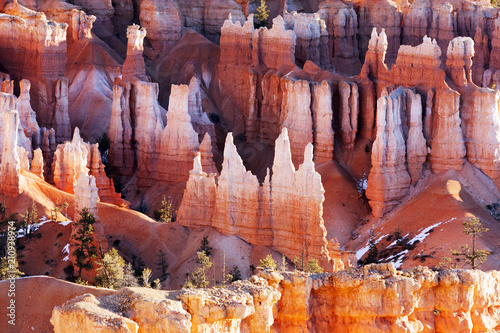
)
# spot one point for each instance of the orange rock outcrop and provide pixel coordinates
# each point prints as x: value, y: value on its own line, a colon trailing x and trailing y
x: 10, y: 165
x: 261, y: 215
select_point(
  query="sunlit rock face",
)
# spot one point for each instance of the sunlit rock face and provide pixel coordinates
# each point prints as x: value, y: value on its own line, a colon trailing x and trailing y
x: 10, y: 164
x: 34, y: 48
x: 231, y: 205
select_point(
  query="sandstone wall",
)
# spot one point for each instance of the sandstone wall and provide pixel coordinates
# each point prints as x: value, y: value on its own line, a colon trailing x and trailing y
x: 375, y: 298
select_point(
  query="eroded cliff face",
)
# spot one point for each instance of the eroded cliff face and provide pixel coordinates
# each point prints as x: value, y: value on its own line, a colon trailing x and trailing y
x: 245, y: 306
x: 261, y: 214
x: 376, y: 298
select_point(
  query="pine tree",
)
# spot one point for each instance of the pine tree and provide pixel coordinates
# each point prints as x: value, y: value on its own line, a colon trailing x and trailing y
x: 146, y: 276
x: 235, y: 274
x: 268, y: 262
x: 29, y: 217
x: 166, y: 213
x: 129, y: 279
x: 199, y: 278
x: 313, y: 266
x: 473, y: 256
x: 111, y: 270
x: 373, y: 250
x: 83, y: 240
x: 262, y: 12
x: 205, y: 247
x: 162, y: 263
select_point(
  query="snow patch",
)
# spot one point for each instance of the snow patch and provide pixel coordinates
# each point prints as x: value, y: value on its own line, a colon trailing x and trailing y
x: 66, y: 258
x: 65, y: 223
x: 423, y: 235
x: 361, y: 252
x: 66, y: 249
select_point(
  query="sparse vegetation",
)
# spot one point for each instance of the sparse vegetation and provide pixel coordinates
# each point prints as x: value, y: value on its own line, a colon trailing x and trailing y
x: 110, y: 270
x: 268, y: 262
x: 9, y: 266
x: 372, y: 256
x: 234, y: 274
x: 472, y: 255
x: 495, y: 3
x: 83, y: 240
x: 262, y: 12
x: 199, y: 278
x: 162, y: 263
x: 29, y: 218
x: 205, y: 246
x: 166, y: 213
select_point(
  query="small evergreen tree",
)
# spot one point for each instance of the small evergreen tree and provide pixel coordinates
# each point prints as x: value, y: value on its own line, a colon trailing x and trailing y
x: 234, y: 274
x: 268, y: 262
x: 166, y: 213
x: 64, y: 206
x: 205, y: 247
x: 313, y: 266
x: 262, y: 11
x: 110, y: 271
x: 129, y: 279
x: 83, y: 239
x: 199, y: 278
x: 3, y: 209
x: 146, y: 276
x: 473, y: 256
x: 373, y: 250
x: 162, y: 263
x: 29, y: 218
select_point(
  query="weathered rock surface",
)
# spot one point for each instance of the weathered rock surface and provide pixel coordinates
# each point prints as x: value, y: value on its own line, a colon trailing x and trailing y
x: 296, y: 116
x: 312, y: 38
x: 372, y: 298
x: 179, y: 141
x: 322, y: 122
x: 245, y: 306
x: 27, y: 117
x: 86, y: 194
x: 104, y: 184
x: 70, y: 160
x: 261, y: 215
x: 342, y: 26
x: 37, y: 163
x: 134, y: 67
x: 349, y: 111
x: 10, y: 165
x: 121, y: 155
x: 163, y: 22
x: 37, y: 54
x: 389, y: 180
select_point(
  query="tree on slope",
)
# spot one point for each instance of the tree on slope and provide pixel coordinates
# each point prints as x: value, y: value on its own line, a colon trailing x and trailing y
x: 83, y: 241
x: 472, y: 255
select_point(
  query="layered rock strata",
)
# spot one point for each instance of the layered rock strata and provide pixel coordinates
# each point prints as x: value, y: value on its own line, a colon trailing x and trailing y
x: 399, y: 143
x: 86, y: 194
x: 104, y: 184
x: 245, y: 306
x: 342, y: 26
x: 372, y: 298
x: 238, y: 196
x: 70, y: 160
x: 162, y: 21
x: 10, y: 165
x: 312, y: 38
x: 34, y: 48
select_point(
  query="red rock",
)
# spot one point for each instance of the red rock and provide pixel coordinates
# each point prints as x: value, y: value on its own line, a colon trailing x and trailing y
x: 162, y: 21
x: 70, y: 160
x: 389, y: 180
x: 322, y: 122
x: 34, y: 48
x: 349, y: 112
x: 342, y: 25
x: 207, y: 161
x: 104, y: 184
x: 10, y: 165
x: 37, y: 163
x: 134, y: 67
